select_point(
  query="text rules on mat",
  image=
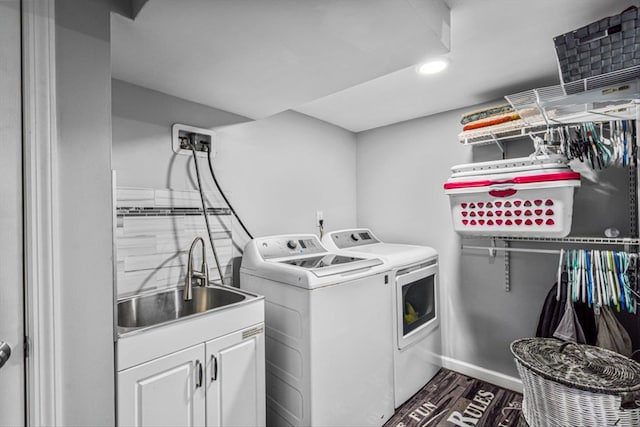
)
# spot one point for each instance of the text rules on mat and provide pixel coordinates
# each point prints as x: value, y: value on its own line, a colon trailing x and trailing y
x: 452, y: 399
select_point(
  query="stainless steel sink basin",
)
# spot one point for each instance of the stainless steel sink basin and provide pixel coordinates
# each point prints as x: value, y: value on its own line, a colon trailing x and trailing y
x: 149, y: 310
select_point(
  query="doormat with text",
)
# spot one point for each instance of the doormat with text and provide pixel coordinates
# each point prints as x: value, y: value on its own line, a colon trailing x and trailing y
x: 452, y: 399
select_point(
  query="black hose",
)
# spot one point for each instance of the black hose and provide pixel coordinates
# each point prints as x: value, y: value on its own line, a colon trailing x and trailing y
x: 233, y: 211
x: 204, y: 212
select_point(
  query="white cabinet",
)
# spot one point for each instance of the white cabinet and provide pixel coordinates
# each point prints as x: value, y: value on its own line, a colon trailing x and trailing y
x: 235, y: 380
x: 220, y: 382
x: 164, y: 392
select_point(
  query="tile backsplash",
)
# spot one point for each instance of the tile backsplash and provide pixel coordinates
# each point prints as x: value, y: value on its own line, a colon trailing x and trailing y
x: 154, y: 229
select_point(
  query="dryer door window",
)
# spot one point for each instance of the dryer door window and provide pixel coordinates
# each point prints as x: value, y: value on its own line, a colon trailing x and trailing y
x: 416, y: 300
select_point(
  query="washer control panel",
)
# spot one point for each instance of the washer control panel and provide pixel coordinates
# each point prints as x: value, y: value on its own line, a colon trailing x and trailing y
x: 352, y: 238
x: 283, y: 246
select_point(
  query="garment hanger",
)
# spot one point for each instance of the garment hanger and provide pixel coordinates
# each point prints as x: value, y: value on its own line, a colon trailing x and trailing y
x: 595, y: 263
x: 620, y: 288
x: 597, y: 292
x: 584, y: 285
x: 559, y: 275
x: 573, y: 271
x: 614, y: 298
x: 603, y: 280
x: 613, y: 281
x: 619, y: 268
x: 592, y: 296
x: 582, y: 279
x: 577, y: 274
x: 616, y: 265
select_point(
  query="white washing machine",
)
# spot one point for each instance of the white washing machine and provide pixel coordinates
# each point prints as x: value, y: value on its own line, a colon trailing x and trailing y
x: 329, y: 358
x: 417, y: 344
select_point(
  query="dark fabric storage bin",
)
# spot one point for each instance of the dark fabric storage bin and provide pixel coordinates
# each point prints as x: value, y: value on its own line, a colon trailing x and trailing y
x: 599, y: 54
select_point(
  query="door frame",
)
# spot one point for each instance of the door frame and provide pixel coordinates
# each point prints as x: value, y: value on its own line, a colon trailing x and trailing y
x: 41, y: 278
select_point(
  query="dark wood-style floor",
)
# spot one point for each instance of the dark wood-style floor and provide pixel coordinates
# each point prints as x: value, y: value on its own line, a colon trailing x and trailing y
x: 453, y: 399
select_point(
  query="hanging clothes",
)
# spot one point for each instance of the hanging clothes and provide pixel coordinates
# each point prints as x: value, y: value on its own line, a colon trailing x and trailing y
x: 587, y: 321
x: 553, y: 310
x: 569, y: 328
x: 550, y: 314
x: 611, y: 334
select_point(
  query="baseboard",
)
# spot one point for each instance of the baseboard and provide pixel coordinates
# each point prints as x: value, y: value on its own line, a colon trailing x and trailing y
x: 493, y: 377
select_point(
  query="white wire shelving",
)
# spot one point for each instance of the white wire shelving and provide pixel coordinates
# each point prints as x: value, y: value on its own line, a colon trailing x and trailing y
x: 576, y: 240
x: 498, y: 136
x: 627, y: 242
x: 543, y: 108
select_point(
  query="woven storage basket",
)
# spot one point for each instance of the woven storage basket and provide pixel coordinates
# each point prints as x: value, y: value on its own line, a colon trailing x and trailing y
x: 602, y: 53
x: 567, y: 384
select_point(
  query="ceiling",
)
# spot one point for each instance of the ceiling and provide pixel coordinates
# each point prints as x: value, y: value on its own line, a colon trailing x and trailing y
x: 347, y: 62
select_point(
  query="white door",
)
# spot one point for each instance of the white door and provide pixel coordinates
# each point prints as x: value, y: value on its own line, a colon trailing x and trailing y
x: 236, y: 379
x: 12, y: 390
x: 168, y: 391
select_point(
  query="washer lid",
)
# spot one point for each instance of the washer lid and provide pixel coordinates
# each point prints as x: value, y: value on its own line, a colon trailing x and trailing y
x: 328, y: 265
x: 361, y: 241
x: 396, y: 254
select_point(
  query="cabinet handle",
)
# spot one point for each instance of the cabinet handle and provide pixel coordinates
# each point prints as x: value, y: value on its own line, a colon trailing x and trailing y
x: 214, y: 368
x: 198, y: 374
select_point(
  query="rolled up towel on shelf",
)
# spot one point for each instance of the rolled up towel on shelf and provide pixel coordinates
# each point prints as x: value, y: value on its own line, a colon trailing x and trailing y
x: 485, y: 113
x: 491, y: 121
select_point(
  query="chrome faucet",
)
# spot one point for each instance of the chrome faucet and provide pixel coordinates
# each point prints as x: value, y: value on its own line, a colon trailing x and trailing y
x: 201, y: 276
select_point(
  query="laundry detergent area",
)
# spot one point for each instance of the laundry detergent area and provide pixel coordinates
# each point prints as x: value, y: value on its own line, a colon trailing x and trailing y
x: 309, y: 226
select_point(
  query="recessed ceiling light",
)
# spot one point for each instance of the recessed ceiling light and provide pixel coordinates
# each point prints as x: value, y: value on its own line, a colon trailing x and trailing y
x: 433, y: 66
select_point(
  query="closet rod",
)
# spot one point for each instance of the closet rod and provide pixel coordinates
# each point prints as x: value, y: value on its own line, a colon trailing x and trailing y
x: 573, y: 240
x: 509, y: 249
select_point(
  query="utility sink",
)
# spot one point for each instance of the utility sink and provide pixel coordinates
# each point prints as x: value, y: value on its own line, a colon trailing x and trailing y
x: 150, y: 310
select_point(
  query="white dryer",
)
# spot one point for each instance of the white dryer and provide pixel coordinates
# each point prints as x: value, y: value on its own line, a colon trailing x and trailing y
x: 417, y: 344
x: 329, y: 358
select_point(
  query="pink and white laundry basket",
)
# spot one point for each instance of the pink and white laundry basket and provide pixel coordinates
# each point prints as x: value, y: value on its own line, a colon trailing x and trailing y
x: 529, y: 197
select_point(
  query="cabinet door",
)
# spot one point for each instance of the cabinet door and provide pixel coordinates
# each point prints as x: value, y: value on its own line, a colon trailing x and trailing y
x: 235, y: 379
x: 168, y: 391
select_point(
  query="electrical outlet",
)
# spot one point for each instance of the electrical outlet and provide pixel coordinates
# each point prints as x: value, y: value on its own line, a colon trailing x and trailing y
x: 319, y: 217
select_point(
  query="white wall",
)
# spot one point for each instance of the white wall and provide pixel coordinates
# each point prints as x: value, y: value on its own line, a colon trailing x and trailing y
x: 83, y: 213
x: 276, y: 172
x: 279, y: 171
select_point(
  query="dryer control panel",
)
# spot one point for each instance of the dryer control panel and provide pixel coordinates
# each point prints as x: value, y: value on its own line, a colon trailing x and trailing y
x: 353, y: 238
x: 284, y: 246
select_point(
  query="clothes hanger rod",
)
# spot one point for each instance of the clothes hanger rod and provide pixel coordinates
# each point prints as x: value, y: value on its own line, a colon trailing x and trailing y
x: 509, y: 249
